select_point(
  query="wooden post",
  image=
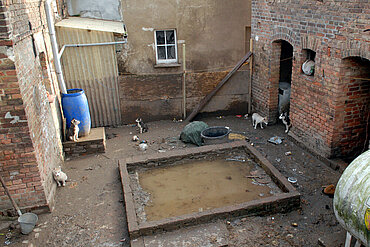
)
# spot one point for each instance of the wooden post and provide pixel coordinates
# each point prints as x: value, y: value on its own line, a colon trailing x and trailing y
x: 250, y: 78
x: 184, y: 82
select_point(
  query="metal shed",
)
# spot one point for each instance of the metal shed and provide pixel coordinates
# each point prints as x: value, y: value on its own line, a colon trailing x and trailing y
x: 92, y: 68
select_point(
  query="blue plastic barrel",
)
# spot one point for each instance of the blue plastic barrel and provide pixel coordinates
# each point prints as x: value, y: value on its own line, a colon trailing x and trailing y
x: 75, y: 105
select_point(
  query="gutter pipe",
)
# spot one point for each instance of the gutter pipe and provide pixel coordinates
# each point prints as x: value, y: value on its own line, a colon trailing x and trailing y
x: 54, y: 47
x: 88, y: 44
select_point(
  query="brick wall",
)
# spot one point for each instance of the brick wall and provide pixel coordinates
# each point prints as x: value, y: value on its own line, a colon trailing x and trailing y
x: 351, y: 137
x: 157, y: 97
x: 30, y: 147
x: 335, y: 31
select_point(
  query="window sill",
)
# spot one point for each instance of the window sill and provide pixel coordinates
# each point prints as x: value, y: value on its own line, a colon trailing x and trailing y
x: 167, y: 65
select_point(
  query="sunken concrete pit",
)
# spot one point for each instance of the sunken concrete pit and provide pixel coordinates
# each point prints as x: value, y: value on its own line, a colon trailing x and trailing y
x: 143, y: 203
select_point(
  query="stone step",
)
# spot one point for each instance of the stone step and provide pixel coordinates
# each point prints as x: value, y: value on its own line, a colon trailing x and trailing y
x: 91, y: 144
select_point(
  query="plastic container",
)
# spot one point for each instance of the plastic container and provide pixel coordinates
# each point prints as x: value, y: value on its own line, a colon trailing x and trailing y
x: 284, y: 96
x: 215, y: 135
x: 27, y: 222
x: 352, y: 198
x: 75, y: 105
x: 308, y: 67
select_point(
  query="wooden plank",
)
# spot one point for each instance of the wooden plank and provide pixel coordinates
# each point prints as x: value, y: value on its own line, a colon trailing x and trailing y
x: 208, y: 97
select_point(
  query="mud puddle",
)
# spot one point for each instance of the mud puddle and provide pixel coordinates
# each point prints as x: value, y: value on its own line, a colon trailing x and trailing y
x: 202, y: 185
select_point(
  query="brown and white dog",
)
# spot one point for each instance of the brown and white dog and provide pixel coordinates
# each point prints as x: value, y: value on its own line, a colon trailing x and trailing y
x: 72, y: 133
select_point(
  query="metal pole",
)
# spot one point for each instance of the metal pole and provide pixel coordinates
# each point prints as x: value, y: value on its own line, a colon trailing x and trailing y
x: 250, y: 77
x: 54, y: 47
x: 89, y: 44
x: 184, y: 81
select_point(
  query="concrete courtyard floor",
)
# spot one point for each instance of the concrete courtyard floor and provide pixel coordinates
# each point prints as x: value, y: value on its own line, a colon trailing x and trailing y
x: 90, y: 211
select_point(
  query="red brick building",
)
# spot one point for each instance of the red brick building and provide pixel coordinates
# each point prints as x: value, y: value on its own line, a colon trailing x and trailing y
x: 330, y: 108
x: 30, y: 144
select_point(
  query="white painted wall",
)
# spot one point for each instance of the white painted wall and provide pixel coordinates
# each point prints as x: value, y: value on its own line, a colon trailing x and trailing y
x: 97, y: 9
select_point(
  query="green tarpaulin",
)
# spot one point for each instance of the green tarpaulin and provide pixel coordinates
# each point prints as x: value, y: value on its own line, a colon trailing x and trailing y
x: 191, y: 132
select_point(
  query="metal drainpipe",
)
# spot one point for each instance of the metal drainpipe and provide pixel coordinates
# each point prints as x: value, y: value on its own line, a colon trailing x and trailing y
x: 54, y: 47
x: 89, y: 44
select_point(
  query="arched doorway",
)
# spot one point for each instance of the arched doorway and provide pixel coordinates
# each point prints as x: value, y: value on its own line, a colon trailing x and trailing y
x: 355, y: 106
x: 281, y: 74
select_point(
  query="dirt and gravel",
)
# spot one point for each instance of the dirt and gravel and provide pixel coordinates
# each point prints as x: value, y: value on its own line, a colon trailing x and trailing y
x: 90, y: 211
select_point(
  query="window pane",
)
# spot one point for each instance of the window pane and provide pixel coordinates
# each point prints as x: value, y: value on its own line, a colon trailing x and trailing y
x: 171, y: 52
x: 170, y: 37
x: 161, y: 50
x: 160, y: 37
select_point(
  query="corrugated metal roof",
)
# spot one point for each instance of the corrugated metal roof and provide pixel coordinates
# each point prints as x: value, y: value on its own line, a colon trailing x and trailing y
x: 92, y: 24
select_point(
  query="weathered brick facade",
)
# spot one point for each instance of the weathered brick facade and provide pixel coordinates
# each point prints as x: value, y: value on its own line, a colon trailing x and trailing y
x: 213, y: 37
x: 157, y: 97
x: 29, y: 135
x: 330, y: 109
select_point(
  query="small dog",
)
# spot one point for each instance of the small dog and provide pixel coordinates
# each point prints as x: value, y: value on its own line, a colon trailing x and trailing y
x: 258, y: 119
x: 286, y: 121
x: 59, y: 176
x: 142, y: 126
x: 72, y: 133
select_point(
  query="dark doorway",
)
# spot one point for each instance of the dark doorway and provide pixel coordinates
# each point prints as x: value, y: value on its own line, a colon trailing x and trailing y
x: 285, y: 76
x: 354, y: 127
x: 286, y: 62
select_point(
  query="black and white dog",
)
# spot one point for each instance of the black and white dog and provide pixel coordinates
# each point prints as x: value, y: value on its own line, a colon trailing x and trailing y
x: 72, y: 133
x: 142, y: 126
x: 286, y: 121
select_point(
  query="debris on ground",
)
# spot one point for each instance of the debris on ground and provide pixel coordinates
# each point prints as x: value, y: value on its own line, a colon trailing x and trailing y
x: 235, y: 136
x: 276, y: 140
x: 329, y: 190
x: 235, y: 159
x: 110, y: 136
x: 72, y: 185
x: 292, y: 180
x: 191, y: 132
x: 177, y: 120
x: 143, y: 146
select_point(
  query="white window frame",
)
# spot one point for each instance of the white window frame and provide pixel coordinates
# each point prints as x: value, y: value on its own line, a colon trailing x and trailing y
x: 165, y: 61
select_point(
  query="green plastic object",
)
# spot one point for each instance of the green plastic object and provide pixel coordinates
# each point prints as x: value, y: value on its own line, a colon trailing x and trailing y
x: 191, y: 132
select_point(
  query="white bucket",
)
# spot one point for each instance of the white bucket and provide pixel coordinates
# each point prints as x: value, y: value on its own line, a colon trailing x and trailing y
x: 27, y: 222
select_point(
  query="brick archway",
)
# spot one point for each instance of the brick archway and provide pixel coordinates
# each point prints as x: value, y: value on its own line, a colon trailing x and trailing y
x: 355, y: 48
x: 281, y: 58
x: 284, y: 33
x: 352, y: 136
